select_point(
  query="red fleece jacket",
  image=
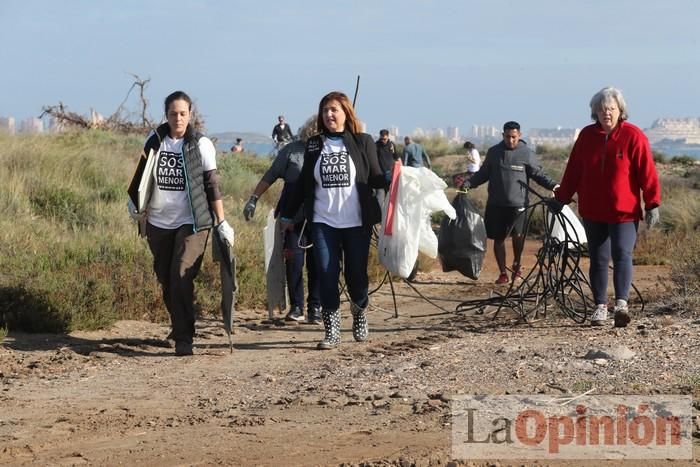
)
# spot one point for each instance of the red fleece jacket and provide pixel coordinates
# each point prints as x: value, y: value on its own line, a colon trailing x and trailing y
x: 608, y: 172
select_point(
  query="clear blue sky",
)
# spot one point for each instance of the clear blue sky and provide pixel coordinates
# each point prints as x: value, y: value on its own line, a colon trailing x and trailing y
x: 422, y: 63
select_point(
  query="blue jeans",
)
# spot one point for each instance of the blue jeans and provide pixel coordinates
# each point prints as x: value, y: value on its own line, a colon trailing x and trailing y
x: 352, y: 245
x: 294, y: 268
x: 604, y: 241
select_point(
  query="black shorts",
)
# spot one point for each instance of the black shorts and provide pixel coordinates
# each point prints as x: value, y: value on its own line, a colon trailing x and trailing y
x: 498, y: 221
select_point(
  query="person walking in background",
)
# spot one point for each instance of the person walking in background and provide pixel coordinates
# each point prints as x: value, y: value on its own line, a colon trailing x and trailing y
x: 179, y: 214
x: 507, y: 163
x: 473, y: 159
x: 473, y: 164
x: 238, y: 147
x: 414, y: 155
x: 340, y: 169
x: 281, y: 133
x: 610, y: 164
x: 287, y: 165
x: 386, y: 152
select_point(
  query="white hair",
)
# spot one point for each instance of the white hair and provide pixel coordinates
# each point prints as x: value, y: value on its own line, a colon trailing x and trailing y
x: 607, y: 95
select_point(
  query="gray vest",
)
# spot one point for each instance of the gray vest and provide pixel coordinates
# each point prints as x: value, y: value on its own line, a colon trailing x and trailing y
x: 194, y: 174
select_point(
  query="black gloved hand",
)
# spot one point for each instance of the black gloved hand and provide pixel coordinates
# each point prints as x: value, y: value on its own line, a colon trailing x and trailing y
x: 554, y: 205
x: 249, y: 209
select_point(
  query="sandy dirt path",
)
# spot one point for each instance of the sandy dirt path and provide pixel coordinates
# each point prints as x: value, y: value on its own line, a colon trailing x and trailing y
x: 120, y: 396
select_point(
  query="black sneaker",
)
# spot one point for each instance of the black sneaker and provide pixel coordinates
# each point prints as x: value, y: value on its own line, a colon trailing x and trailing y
x: 183, y: 348
x: 313, y: 315
x: 295, y: 314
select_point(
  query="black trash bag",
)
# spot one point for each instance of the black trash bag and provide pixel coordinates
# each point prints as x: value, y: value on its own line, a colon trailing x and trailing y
x: 462, y: 242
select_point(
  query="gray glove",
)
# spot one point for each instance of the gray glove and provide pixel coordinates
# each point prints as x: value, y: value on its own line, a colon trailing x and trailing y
x: 226, y: 231
x: 652, y: 217
x: 249, y: 208
x: 133, y: 212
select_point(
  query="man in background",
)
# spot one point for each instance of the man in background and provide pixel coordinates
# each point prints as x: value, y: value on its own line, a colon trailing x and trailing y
x: 281, y: 133
x: 386, y: 152
x: 414, y: 155
x: 507, y: 163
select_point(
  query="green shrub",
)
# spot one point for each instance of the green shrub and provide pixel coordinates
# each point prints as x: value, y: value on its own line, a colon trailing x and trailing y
x: 437, y: 146
x: 683, y: 160
x: 63, y: 205
x: 659, y: 157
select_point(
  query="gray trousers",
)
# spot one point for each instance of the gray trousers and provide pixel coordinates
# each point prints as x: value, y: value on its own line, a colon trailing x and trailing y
x: 177, y: 258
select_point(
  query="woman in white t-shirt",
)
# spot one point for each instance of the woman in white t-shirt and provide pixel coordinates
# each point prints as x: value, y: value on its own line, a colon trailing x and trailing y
x: 473, y: 164
x: 339, y: 171
x: 180, y: 212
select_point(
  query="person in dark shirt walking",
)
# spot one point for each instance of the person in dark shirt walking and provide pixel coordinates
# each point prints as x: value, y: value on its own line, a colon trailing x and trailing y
x: 507, y: 163
x: 281, y: 133
x: 386, y: 152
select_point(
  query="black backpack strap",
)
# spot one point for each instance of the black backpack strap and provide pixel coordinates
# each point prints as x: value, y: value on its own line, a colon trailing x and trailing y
x: 156, y: 138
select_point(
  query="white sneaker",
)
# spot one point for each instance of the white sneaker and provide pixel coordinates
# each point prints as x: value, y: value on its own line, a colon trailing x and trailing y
x: 622, y: 315
x: 600, y: 315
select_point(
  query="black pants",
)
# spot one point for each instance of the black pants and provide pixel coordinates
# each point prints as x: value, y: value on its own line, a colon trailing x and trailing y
x: 177, y: 258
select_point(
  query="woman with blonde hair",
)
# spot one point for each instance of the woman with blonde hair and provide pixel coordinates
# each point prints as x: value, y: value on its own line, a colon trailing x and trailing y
x: 339, y: 171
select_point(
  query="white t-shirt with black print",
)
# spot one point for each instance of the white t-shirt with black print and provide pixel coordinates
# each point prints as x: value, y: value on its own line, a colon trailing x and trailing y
x: 337, y: 202
x: 170, y: 206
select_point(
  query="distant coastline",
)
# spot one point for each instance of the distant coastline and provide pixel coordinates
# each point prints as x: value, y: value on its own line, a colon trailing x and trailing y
x: 678, y: 150
x: 261, y: 149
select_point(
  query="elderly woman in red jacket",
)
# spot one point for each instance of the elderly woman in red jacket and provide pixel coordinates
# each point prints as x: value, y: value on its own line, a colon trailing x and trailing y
x: 612, y: 169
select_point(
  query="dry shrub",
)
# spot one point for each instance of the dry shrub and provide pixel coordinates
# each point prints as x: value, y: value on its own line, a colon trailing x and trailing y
x: 683, y: 295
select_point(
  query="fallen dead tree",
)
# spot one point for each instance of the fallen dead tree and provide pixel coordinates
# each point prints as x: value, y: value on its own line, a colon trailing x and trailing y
x: 120, y: 121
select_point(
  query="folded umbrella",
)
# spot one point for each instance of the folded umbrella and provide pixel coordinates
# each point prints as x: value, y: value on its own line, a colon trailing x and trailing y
x: 222, y: 253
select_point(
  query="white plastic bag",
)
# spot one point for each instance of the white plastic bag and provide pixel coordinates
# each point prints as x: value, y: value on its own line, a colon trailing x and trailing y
x: 573, y: 227
x: 406, y: 225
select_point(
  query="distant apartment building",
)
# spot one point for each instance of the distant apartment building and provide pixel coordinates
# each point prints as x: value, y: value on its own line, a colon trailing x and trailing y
x: 436, y: 133
x: 7, y: 124
x: 393, y: 133
x: 485, y: 131
x: 31, y: 125
x: 453, y: 133
x: 418, y: 132
x: 555, y: 137
x: 680, y: 130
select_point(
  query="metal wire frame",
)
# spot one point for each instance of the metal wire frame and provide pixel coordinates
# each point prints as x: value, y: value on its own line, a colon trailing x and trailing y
x: 555, y: 278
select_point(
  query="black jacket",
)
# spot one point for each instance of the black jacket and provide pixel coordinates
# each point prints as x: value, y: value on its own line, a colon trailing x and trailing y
x: 386, y: 153
x: 368, y: 175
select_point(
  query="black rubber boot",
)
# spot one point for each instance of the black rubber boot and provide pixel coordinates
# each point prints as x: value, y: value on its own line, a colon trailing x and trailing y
x: 360, y: 329
x: 331, y: 323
